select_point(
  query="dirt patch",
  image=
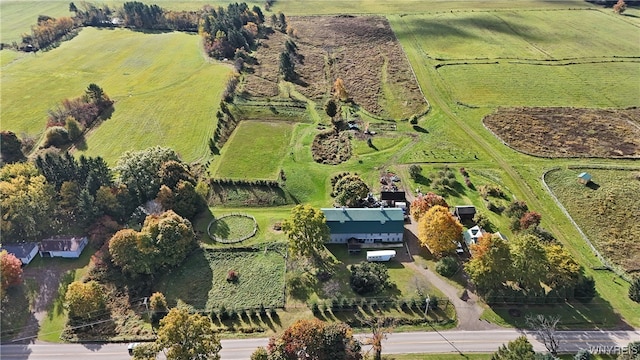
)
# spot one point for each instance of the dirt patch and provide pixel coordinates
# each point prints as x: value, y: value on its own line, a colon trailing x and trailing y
x: 331, y: 148
x: 569, y: 132
x: 363, y: 51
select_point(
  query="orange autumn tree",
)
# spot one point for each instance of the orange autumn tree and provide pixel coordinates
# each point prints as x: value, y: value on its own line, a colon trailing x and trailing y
x: 10, y: 271
x: 423, y: 203
x: 340, y: 90
x: 439, y: 231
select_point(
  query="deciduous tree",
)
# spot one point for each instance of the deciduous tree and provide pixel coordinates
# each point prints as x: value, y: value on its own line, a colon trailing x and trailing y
x: 10, y: 271
x: 315, y: 339
x: 545, y: 327
x: 518, y: 349
x: 530, y: 219
x: 415, y: 171
x: 439, y: 231
x: 490, y: 264
x: 350, y: 190
x: 530, y: 265
x: 306, y: 229
x: 186, y: 336
x: 620, y: 7
x: 85, y: 300
x: 368, y: 278
x: 563, y: 269
x: 340, y: 90
x: 140, y: 170
x: 422, y: 204
x: 11, y: 149
x: 26, y: 202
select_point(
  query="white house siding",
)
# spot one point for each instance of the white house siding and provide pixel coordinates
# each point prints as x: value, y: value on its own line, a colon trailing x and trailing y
x: 30, y: 257
x: 384, y: 237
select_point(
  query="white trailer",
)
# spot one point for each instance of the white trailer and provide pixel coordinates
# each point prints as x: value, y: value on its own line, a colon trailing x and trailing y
x: 380, y: 255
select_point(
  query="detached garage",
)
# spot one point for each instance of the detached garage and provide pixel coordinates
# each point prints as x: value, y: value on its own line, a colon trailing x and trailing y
x: 65, y: 247
x: 25, y: 252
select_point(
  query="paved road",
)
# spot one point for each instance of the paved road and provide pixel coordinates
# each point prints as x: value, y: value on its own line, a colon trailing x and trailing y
x: 398, y: 343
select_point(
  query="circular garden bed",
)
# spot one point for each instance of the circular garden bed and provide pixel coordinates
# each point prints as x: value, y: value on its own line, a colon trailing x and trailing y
x: 232, y: 228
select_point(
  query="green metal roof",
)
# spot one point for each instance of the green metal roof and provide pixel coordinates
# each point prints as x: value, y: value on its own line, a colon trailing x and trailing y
x: 367, y: 220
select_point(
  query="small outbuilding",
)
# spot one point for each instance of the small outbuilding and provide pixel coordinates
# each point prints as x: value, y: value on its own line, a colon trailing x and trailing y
x: 25, y: 251
x: 584, y: 178
x: 65, y: 247
x: 472, y: 235
x: 465, y: 212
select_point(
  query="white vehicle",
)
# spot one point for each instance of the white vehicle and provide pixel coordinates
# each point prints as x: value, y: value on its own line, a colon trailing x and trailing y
x: 132, y: 346
x: 380, y: 255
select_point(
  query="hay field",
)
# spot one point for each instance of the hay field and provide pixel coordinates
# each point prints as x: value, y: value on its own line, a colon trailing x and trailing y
x: 165, y: 92
x: 255, y: 150
x: 528, y: 58
x: 606, y: 211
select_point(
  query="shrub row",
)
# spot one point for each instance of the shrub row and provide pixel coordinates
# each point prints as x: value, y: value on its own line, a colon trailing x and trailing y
x: 243, y: 182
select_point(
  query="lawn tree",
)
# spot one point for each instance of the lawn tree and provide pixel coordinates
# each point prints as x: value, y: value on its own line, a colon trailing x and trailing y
x: 530, y: 265
x: 634, y: 289
x: 563, y: 269
x: 380, y: 327
x: 26, y: 202
x: 260, y: 354
x: 368, y: 278
x: 140, y: 171
x: 172, y: 237
x: 490, y: 267
x: 350, y: 190
x: 620, y: 7
x: 10, y: 271
x: 585, y: 289
x: 545, y: 329
x: 315, y: 339
x: 186, y: 336
x: 132, y: 252
x: 530, y: 219
x: 439, y: 231
x: 306, y: 230
x: 172, y: 172
x: 415, y: 171
x: 421, y: 204
x: 158, y: 306
x: 85, y: 300
x: 518, y: 349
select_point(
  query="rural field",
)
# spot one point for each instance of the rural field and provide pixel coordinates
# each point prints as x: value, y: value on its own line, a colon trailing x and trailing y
x: 139, y: 72
x: 610, y: 221
x: 506, y: 90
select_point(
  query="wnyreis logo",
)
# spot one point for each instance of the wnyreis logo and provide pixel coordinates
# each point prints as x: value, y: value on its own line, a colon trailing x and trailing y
x: 614, y: 350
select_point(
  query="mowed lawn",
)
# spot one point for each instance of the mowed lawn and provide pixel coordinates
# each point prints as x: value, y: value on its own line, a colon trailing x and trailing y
x: 165, y: 92
x: 255, y: 150
x: 201, y: 282
x: 18, y: 16
x: 607, y: 212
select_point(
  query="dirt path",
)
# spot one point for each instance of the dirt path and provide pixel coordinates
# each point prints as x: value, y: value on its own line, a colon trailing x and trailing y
x: 47, y: 282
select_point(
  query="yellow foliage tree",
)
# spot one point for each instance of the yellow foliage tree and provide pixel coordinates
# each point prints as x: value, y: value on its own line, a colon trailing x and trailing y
x: 439, y: 231
x: 340, y: 90
x: 85, y: 300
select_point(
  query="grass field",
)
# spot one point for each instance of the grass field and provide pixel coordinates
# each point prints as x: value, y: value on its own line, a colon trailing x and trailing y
x: 611, y: 222
x: 255, y: 150
x: 202, y: 281
x: 140, y: 72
